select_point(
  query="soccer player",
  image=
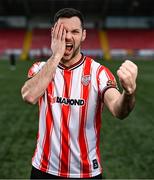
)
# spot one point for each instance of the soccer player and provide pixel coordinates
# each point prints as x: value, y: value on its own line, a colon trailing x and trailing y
x: 71, y: 90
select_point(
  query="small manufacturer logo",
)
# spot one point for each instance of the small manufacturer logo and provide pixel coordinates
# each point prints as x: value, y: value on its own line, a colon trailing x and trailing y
x: 111, y: 83
x: 86, y: 80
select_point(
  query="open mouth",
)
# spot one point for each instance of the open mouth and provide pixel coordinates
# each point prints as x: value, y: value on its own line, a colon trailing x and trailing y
x: 69, y: 48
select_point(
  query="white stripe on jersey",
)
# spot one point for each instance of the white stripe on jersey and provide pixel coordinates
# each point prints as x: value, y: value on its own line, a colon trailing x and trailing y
x: 69, y: 153
x: 74, y: 125
x: 56, y: 112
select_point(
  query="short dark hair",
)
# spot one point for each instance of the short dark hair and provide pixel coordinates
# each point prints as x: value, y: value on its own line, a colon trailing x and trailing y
x: 68, y: 13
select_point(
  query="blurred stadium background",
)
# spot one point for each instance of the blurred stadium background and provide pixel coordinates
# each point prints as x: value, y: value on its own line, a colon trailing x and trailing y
x: 116, y: 30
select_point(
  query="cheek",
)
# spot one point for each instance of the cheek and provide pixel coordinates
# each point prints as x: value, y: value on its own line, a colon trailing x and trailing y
x: 78, y: 39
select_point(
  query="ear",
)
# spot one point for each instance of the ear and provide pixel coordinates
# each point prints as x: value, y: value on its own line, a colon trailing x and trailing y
x: 83, y: 35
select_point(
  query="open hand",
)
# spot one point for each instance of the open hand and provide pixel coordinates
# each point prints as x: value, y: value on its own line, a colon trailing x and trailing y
x: 58, y: 34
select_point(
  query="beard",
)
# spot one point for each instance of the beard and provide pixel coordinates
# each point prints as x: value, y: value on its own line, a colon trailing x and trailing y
x: 72, y: 55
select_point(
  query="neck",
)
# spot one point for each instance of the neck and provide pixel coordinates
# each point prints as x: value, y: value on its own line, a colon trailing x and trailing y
x: 71, y: 61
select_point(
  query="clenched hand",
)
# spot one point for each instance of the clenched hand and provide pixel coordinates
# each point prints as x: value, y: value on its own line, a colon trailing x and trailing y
x: 127, y: 74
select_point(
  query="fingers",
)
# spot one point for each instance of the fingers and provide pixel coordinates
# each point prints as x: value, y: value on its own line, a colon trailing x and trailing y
x: 63, y: 35
x: 53, y: 30
x: 58, y: 44
x: 131, y: 67
x: 58, y: 31
x: 128, y: 69
x: 123, y: 73
x: 127, y: 74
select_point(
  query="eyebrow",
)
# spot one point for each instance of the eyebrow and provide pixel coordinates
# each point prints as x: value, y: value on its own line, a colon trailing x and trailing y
x: 73, y: 30
x: 76, y: 30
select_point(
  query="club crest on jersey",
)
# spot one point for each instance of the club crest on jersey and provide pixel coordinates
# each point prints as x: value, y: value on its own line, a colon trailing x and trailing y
x: 86, y: 80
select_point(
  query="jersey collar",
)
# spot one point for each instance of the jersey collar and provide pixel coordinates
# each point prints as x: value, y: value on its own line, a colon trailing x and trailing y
x: 74, y: 66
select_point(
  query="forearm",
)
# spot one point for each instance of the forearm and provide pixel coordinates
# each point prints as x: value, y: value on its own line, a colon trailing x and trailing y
x: 36, y: 86
x: 124, y: 105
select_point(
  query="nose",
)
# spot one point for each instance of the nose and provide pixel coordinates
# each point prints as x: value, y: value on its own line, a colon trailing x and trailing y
x: 68, y: 35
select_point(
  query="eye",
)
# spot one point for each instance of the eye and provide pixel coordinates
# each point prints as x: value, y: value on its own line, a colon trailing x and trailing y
x: 75, y: 32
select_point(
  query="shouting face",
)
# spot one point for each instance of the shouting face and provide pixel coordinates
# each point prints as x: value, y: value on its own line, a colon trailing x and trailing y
x: 74, y: 37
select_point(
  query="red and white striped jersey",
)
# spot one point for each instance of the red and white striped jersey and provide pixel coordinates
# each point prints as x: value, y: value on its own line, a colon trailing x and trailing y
x: 70, y: 119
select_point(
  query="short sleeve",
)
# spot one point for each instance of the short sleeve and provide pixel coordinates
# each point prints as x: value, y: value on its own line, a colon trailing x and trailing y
x: 106, y: 80
x: 36, y: 67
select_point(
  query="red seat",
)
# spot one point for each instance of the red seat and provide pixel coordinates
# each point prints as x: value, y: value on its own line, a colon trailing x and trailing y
x: 11, y: 39
x: 131, y: 38
x: 41, y: 38
x: 92, y: 41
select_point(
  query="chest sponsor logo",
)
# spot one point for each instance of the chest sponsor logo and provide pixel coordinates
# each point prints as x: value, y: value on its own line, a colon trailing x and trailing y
x: 67, y: 101
x: 86, y: 80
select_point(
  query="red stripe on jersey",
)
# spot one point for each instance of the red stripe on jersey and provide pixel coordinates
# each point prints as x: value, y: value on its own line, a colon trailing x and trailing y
x: 100, y: 69
x: 49, y: 125
x: 85, y: 164
x: 111, y: 77
x: 109, y: 74
x: 65, y: 136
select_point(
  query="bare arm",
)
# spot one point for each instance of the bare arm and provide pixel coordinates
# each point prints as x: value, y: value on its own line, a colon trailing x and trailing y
x: 35, y: 87
x: 121, y: 105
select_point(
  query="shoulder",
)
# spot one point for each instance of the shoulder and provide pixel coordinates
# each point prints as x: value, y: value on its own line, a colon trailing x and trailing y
x: 35, y: 68
x: 91, y: 61
x: 97, y: 66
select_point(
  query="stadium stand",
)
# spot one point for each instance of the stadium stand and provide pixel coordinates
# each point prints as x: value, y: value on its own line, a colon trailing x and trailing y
x: 117, y: 42
x: 40, y: 38
x: 11, y: 39
x: 136, y: 42
x: 131, y: 38
x: 115, y: 28
x: 41, y: 43
x: 92, y: 41
x: 92, y: 45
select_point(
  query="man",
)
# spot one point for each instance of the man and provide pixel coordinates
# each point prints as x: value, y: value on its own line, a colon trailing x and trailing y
x: 71, y: 90
x: 12, y: 61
